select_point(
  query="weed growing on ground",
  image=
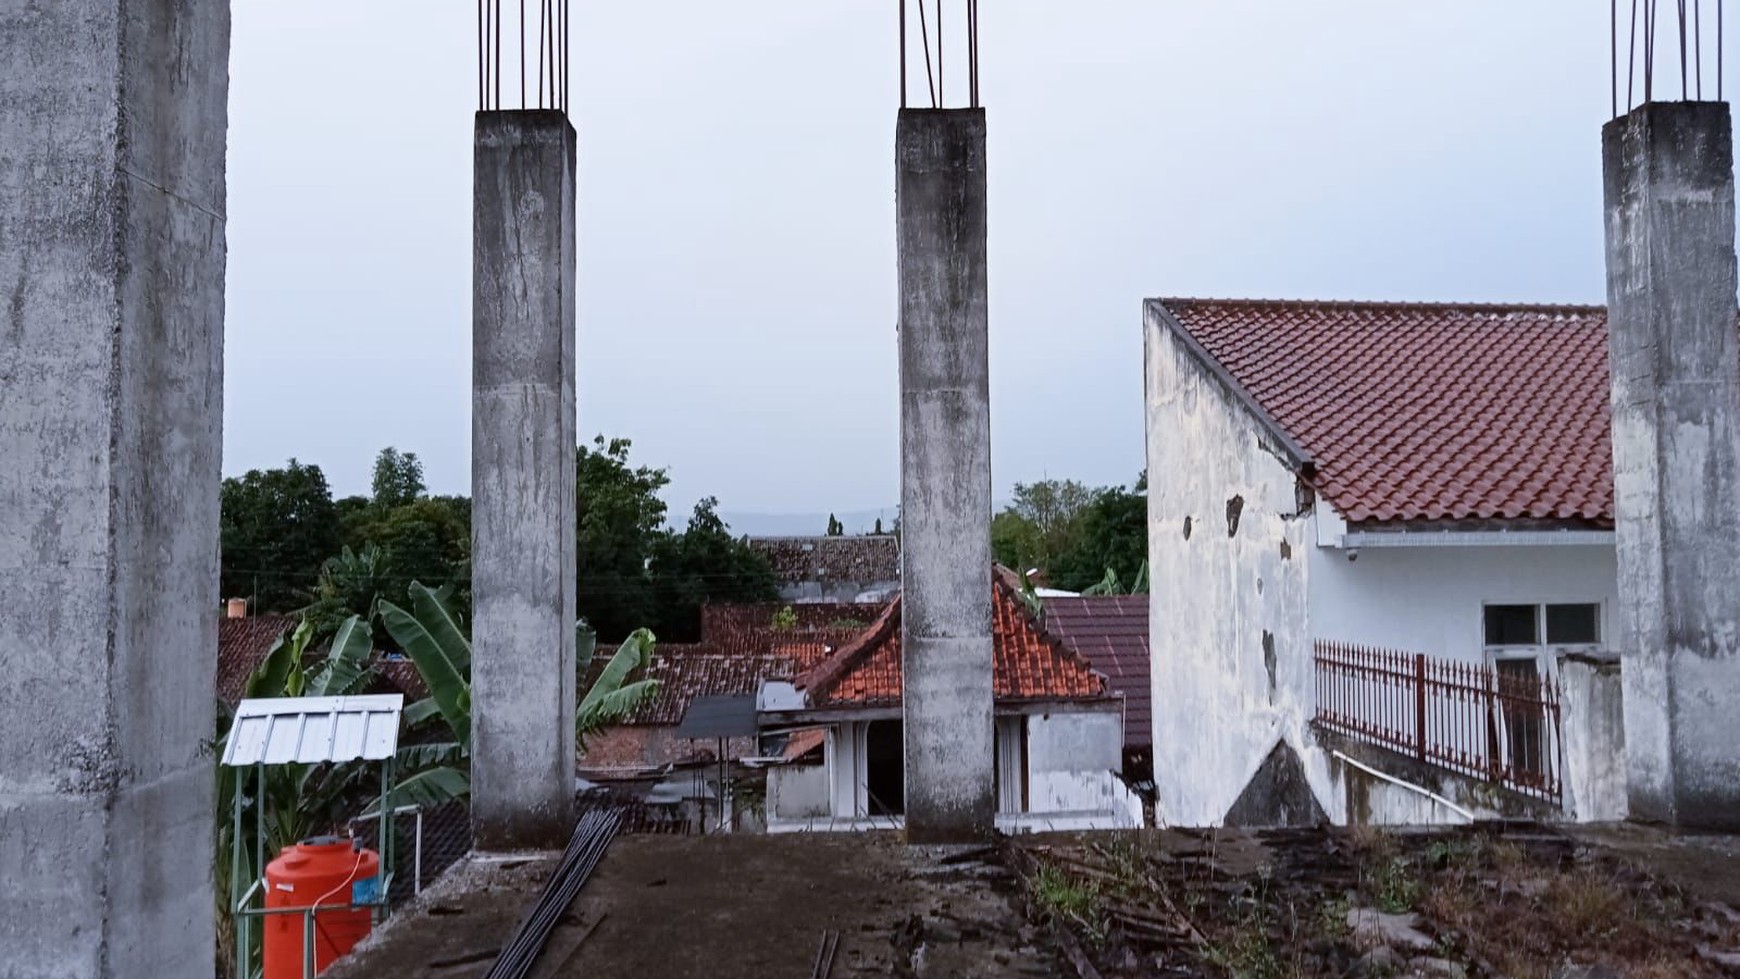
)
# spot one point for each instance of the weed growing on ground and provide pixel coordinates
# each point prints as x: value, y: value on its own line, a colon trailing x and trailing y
x: 1071, y: 900
x: 1391, y: 883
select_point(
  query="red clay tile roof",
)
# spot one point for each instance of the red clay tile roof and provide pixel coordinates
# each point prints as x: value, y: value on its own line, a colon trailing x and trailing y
x: 1028, y: 665
x: 740, y: 648
x: 242, y: 646
x: 1428, y: 412
x: 1111, y: 631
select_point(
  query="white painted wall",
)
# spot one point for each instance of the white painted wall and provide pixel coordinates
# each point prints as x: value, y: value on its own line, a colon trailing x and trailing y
x: 1232, y: 667
x: 1072, y: 761
x: 1072, y: 758
x: 798, y: 791
x: 1429, y: 599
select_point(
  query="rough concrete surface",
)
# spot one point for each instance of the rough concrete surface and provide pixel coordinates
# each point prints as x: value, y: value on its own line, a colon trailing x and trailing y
x: 1229, y: 547
x: 523, y: 506
x: 731, y: 907
x: 1676, y: 455
x: 113, y: 120
x: 945, y: 474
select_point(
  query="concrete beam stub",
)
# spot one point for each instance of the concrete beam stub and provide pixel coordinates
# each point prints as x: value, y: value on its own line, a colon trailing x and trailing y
x: 1675, y: 363
x: 946, y: 645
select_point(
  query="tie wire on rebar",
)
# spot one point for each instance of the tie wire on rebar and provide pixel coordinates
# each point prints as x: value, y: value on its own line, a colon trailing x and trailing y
x: 934, y: 64
x: 1644, y: 25
x: 543, y: 58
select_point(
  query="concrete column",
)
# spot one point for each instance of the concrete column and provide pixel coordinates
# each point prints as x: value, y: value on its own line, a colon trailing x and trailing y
x: 113, y: 120
x: 945, y: 475
x: 1593, y: 718
x: 1675, y: 361
x: 522, y: 481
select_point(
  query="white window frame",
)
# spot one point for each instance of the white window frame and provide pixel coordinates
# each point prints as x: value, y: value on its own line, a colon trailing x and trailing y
x: 1542, y: 653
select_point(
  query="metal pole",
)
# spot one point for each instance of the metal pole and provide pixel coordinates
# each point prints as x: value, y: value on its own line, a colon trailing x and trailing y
x: 1420, y: 705
x: 308, y: 944
x: 417, y: 857
x: 903, y: 53
x: 236, y: 848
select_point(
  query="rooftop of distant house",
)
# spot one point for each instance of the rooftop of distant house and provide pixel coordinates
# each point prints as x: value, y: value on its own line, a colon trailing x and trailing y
x: 1028, y: 663
x: 245, y: 640
x: 1111, y: 633
x: 1407, y: 412
x: 863, y: 558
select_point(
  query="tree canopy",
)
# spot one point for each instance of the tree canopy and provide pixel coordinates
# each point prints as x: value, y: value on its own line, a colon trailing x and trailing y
x: 1074, y: 534
x: 277, y: 527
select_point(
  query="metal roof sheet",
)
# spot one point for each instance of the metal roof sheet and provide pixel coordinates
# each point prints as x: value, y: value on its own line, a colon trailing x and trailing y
x: 719, y: 717
x: 310, y: 730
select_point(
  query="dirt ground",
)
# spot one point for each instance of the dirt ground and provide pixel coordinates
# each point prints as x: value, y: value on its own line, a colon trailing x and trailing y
x: 1520, y: 901
x: 731, y: 906
x: 1515, y: 900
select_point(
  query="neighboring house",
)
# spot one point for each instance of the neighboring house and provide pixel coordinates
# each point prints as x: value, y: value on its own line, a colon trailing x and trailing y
x: 741, y: 647
x: 833, y: 569
x: 1431, y: 480
x: 1111, y: 633
x: 1058, y: 742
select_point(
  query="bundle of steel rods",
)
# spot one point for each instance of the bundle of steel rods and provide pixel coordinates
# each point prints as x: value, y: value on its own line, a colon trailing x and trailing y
x: 822, y: 966
x: 591, y: 838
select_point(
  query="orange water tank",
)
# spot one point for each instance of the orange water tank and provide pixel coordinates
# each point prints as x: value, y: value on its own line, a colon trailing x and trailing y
x: 318, y: 872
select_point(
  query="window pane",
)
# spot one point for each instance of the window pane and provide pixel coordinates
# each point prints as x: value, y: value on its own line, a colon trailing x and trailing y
x: 1574, y: 624
x: 1510, y: 625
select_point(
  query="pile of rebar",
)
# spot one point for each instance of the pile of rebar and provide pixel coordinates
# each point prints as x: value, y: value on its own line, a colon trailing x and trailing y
x: 591, y: 838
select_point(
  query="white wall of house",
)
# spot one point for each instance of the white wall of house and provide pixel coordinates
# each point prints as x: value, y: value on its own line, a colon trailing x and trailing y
x: 1072, y: 761
x: 1430, y: 599
x: 1227, y: 541
x: 1063, y: 765
x: 798, y: 792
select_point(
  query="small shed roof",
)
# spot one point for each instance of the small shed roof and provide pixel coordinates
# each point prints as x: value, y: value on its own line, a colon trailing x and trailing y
x: 310, y: 730
x: 719, y: 717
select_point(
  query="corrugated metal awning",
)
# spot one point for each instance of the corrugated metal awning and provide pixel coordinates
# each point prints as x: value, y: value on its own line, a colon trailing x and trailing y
x: 309, y: 730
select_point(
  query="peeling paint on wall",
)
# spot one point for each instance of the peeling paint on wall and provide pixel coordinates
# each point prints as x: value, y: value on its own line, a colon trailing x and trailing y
x: 1236, y: 647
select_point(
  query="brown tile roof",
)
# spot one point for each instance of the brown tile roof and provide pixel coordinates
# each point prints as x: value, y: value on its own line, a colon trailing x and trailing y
x: 1416, y: 412
x: 866, y: 558
x: 242, y: 646
x: 1028, y: 665
x: 740, y: 648
x: 1111, y: 631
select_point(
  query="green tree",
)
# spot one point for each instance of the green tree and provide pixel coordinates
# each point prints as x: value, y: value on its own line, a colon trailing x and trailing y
x: 350, y: 584
x: 277, y: 527
x: 1111, y: 536
x: 705, y: 564
x: 1041, y: 524
x: 835, y: 527
x: 398, y: 478
x: 621, y: 518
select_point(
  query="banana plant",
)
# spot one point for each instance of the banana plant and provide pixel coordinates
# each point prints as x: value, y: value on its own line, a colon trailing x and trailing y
x: 437, y: 644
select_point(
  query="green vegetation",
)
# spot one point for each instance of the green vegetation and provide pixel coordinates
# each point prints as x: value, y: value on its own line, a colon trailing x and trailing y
x: 289, y: 546
x: 1080, y: 538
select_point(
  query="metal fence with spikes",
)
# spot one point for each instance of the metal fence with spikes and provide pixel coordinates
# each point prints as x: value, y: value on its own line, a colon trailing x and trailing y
x: 1496, y: 724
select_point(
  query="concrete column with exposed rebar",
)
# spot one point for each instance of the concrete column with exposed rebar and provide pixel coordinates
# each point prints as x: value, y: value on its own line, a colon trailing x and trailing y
x: 945, y: 475
x: 522, y: 479
x: 1675, y: 360
x: 113, y: 117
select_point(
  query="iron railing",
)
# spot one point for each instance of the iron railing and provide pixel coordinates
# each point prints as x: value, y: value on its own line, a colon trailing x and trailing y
x: 1496, y: 723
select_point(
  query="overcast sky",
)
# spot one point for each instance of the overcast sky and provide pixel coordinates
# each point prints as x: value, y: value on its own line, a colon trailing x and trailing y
x: 737, y: 277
